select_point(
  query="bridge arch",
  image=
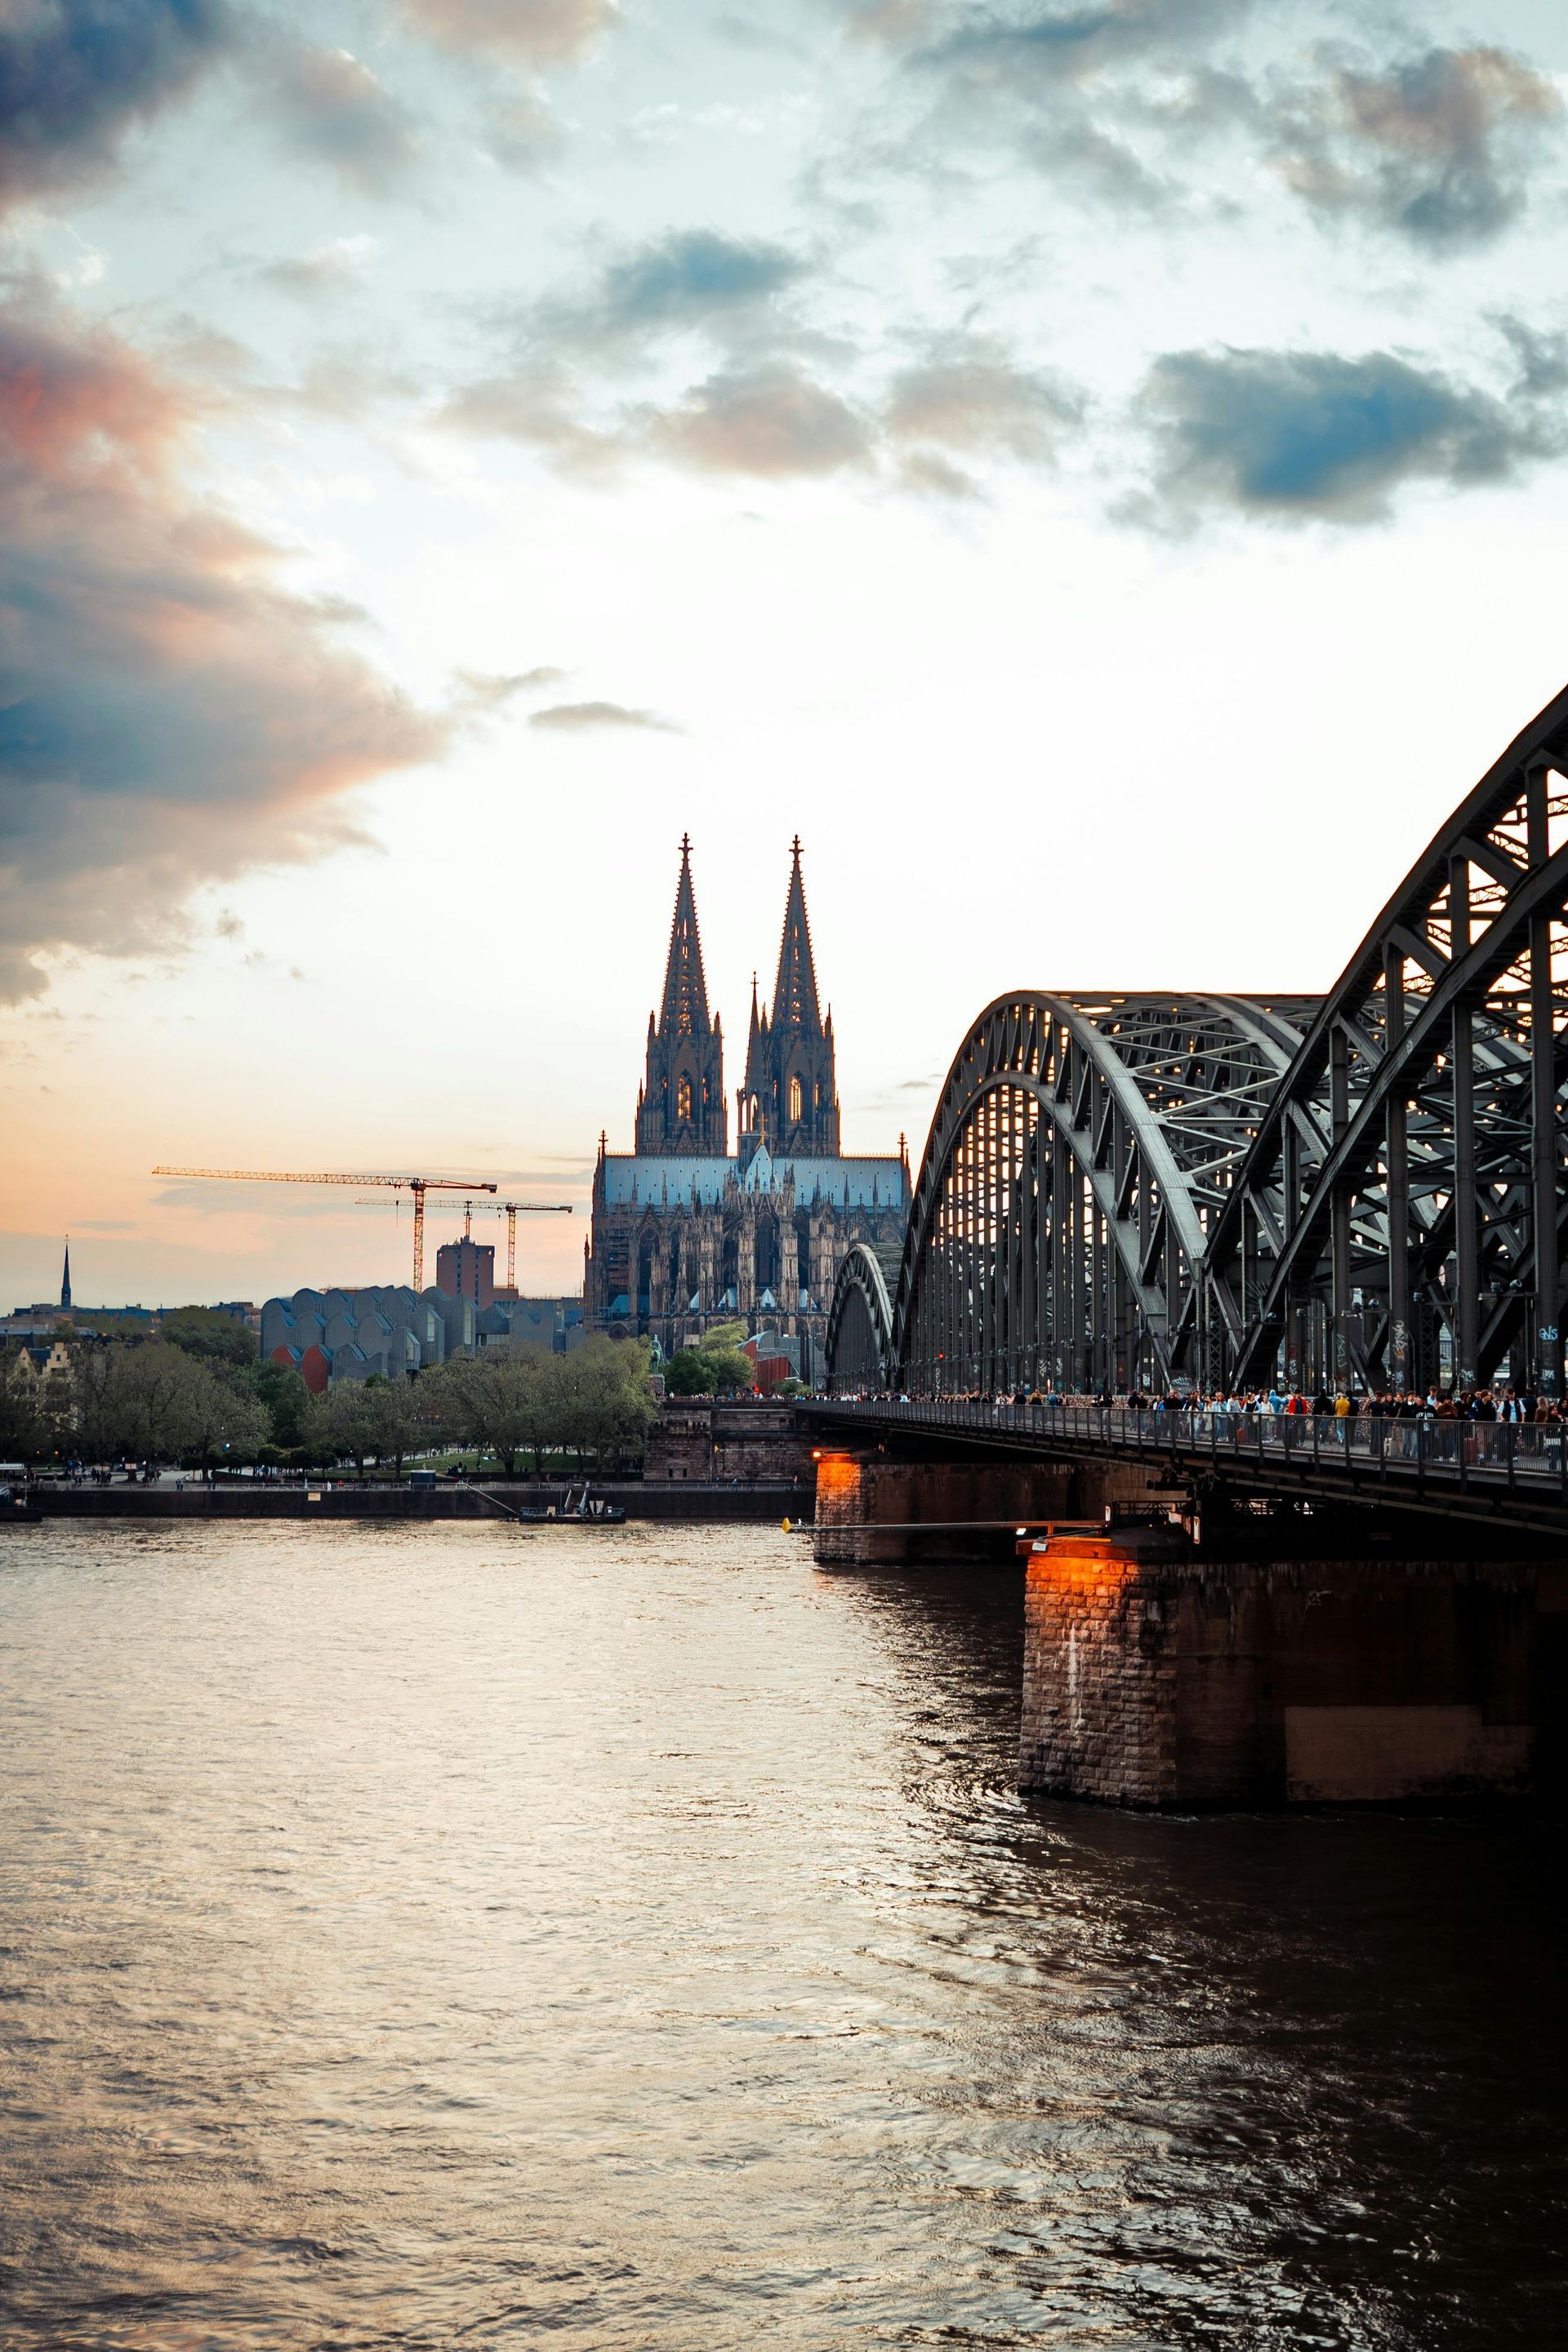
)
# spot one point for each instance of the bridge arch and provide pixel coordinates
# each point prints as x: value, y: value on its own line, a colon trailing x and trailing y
x: 1130, y: 1189
x: 859, y: 1339
x: 1398, y: 1216
x: 1077, y: 1156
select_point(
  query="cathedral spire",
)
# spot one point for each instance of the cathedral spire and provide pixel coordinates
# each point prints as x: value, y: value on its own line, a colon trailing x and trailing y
x: 685, y: 1009
x: 794, y: 989
x: 789, y: 1061
x: 66, y: 1278
x: 681, y: 1108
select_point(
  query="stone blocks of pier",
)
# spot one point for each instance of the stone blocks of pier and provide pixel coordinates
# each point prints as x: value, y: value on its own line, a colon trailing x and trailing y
x: 876, y: 1512
x: 1161, y: 1673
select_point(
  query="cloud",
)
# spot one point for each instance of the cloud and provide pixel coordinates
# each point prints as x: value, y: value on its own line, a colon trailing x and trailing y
x: 1075, y: 43
x: 521, y: 32
x: 76, y: 78
x: 572, y: 718
x: 327, y: 270
x: 1068, y: 90
x: 692, y: 280
x: 1437, y: 147
x: 333, y: 110
x: 477, y: 695
x: 771, y: 422
x: 969, y: 394
x: 540, y: 404
x: 1541, y: 359
x: 687, y: 280
x: 522, y: 133
x: 170, y: 713
x: 1293, y: 435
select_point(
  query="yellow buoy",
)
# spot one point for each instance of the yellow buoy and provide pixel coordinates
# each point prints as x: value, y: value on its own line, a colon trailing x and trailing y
x: 786, y: 1526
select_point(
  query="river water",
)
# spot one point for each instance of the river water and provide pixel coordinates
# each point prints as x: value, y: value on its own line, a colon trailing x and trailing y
x: 472, y: 1936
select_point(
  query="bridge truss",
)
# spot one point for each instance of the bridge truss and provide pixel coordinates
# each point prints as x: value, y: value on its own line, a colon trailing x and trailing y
x: 1127, y: 1191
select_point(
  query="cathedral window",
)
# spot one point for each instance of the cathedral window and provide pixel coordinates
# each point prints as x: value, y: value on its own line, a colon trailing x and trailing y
x: 796, y: 1101
x: 683, y: 1099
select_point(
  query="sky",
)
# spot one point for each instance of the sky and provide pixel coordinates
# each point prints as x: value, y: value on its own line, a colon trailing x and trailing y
x: 1095, y: 468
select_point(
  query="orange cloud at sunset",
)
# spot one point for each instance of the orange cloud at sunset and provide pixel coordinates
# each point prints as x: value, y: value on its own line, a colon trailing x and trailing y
x: 170, y: 712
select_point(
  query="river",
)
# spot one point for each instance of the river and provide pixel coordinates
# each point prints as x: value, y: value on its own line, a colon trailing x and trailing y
x: 472, y: 1936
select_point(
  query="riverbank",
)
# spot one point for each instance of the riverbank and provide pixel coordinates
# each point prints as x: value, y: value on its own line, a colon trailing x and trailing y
x: 673, y: 1500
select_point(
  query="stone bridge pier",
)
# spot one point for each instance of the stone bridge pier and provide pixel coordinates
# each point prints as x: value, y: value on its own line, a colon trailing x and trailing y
x: 1278, y: 1663
x: 874, y: 1511
x: 1180, y: 1658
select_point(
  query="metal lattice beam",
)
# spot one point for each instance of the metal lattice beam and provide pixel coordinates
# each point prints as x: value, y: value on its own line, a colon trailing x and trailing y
x: 1122, y: 1190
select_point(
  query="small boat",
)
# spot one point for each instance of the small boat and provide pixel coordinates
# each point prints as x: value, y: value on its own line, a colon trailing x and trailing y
x: 580, y: 1508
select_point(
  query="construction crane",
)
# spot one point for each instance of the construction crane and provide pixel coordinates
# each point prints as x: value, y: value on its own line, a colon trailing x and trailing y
x: 511, y: 1210
x: 417, y: 1185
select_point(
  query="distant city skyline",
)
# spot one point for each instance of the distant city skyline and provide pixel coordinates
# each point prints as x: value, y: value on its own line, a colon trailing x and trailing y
x: 1088, y: 473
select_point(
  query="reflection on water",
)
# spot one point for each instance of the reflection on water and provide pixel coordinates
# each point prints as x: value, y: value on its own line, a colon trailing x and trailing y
x: 452, y: 1935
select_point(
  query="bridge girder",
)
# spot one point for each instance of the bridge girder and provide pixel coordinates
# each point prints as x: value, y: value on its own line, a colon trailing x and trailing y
x: 1127, y: 1189
x: 1080, y: 1147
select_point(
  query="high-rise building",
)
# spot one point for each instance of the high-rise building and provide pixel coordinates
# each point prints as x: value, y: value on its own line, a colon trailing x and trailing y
x: 466, y: 1269
x: 683, y: 1233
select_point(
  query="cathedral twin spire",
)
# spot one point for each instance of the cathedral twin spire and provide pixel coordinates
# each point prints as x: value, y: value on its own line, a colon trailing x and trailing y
x: 681, y: 1107
x: 790, y: 1100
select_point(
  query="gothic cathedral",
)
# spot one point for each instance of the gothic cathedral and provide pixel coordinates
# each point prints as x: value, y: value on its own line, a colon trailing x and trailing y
x: 683, y: 1233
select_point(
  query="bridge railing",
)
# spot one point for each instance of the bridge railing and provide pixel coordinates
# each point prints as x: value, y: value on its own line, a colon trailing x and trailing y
x: 1533, y: 1451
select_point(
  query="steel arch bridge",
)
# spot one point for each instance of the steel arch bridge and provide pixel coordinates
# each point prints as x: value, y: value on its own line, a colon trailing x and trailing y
x: 1130, y: 1191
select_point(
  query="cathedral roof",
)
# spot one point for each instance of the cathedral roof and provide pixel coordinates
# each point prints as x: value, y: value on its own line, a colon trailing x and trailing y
x: 864, y: 1182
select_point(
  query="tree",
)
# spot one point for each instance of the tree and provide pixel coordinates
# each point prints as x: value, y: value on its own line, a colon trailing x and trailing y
x: 498, y: 1401
x: 716, y: 1366
x: 379, y: 1417
x: 158, y: 1403
x: 225, y: 1421
x: 287, y: 1399
x: 203, y: 1331
x: 732, y: 1369
x: 602, y: 1397
x: 35, y: 1414
x: 723, y: 1335
x: 509, y: 1401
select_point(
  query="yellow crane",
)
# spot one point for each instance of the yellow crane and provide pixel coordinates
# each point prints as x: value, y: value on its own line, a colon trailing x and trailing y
x: 417, y: 1185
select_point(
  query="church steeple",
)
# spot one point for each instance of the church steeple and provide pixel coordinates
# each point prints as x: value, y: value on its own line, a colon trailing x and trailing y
x: 681, y: 1107
x: 66, y: 1278
x: 791, y: 1094
x: 685, y: 1009
x: 794, y: 989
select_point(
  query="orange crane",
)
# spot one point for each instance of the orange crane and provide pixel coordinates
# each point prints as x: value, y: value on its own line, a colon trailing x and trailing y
x: 417, y: 1185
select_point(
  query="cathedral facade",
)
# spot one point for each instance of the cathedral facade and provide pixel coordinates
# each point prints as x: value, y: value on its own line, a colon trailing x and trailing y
x: 685, y: 1232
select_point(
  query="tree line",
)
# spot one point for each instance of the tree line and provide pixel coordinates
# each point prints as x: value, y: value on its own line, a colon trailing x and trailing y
x: 200, y: 1395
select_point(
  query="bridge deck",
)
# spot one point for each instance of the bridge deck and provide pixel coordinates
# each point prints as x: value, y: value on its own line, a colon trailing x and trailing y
x: 1515, y: 1471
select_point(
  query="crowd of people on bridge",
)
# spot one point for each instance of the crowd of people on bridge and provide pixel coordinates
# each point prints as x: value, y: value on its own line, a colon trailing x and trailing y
x: 1483, y: 1405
